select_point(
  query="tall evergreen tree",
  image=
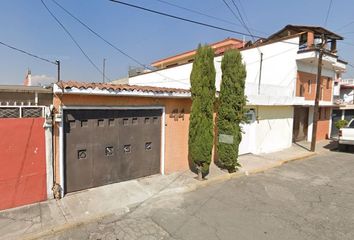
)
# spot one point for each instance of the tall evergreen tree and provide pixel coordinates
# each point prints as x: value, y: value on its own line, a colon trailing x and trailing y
x: 231, y: 111
x: 201, y: 116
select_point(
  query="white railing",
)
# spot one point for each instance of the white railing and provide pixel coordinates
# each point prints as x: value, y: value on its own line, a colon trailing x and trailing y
x: 347, y: 81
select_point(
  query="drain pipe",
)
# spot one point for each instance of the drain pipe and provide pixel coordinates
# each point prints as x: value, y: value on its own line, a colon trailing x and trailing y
x: 260, y: 74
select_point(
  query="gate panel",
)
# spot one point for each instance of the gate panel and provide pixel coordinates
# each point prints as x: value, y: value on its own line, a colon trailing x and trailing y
x: 22, y: 162
x: 78, y: 151
x: 118, y: 145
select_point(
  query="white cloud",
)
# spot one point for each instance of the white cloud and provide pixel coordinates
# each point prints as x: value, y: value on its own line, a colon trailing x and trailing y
x: 42, y: 80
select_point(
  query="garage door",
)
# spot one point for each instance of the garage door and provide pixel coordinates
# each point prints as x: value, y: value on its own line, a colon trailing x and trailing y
x: 109, y: 146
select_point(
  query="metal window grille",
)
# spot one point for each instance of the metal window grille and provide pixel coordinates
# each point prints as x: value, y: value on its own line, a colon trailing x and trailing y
x: 21, y: 112
x: 10, y: 112
x: 33, y: 112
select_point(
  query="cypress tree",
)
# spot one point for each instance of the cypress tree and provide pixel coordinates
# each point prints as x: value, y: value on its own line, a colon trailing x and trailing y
x: 231, y: 112
x: 200, y: 142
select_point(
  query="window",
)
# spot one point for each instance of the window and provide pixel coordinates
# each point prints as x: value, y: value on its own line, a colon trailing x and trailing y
x: 351, y: 124
x: 309, y: 86
x: 303, y: 41
x: 323, y: 113
x: 301, y: 90
x: 328, y: 83
x: 321, y: 93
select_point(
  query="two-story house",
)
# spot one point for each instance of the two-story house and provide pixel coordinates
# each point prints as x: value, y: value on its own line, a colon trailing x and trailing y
x: 343, y: 99
x: 280, y: 84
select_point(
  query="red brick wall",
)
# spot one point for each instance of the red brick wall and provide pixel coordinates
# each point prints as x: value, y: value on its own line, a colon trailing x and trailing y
x: 309, y: 90
x: 323, y: 123
x: 22, y: 162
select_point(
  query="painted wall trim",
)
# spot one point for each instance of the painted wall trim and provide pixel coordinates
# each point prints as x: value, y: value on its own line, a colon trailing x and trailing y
x: 48, y: 130
x: 61, y: 156
x: 61, y: 134
x: 90, y: 91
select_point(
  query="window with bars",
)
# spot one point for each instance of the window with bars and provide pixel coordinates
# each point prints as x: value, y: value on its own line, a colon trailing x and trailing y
x: 33, y: 112
x: 21, y: 112
x: 10, y: 112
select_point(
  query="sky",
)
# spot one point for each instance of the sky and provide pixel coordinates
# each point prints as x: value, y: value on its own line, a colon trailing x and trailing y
x: 147, y: 37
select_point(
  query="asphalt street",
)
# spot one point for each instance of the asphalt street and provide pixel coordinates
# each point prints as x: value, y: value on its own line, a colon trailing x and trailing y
x: 308, y: 199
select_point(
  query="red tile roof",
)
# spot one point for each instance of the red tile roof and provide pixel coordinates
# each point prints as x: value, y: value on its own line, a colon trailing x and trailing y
x: 118, y: 87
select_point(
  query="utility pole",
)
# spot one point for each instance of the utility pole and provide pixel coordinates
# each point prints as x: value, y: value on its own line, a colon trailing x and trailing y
x: 58, y: 70
x: 104, y: 69
x: 317, y: 98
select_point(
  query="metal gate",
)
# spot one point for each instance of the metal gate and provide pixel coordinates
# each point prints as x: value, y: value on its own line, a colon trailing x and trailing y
x: 108, y: 146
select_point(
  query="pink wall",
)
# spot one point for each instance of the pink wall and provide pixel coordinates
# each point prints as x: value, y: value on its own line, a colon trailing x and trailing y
x: 22, y: 162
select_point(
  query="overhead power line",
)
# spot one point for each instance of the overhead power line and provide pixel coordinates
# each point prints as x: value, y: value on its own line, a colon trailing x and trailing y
x: 239, y: 17
x: 233, y: 13
x: 73, y: 39
x: 242, y: 20
x: 180, y: 18
x: 328, y: 11
x: 27, y: 53
x: 204, y: 14
x: 98, y: 35
x: 345, y: 25
x: 110, y: 43
x: 197, y: 12
x: 192, y: 21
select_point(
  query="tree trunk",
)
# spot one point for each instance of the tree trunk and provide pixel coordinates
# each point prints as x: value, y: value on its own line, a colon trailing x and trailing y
x: 200, y: 174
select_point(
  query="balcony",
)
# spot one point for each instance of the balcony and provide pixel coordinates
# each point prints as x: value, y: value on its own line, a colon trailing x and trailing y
x: 329, y: 60
x: 308, y: 53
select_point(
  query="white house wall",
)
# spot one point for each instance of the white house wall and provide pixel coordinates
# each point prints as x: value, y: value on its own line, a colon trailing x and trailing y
x: 312, y: 68
x: 278, y: 68
x: 273, y: 129
x: 278, y: 71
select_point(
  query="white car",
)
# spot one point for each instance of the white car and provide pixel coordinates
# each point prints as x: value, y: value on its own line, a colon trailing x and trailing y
x: 346, y: 135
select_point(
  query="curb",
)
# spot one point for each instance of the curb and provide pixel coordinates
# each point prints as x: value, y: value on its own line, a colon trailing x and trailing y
x: 70, y: 225
x: 282, y: 162
x: 185, y: 189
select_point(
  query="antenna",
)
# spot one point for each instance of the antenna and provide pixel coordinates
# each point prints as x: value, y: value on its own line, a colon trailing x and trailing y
x: 104, y: 69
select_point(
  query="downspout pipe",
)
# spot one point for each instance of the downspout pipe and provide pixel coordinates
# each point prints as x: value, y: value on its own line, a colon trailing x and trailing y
x: 260, y: 74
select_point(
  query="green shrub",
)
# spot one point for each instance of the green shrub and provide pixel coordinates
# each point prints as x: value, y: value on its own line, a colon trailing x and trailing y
x: 231, y: 111
x: 200, y: 143
x: 341, y: 124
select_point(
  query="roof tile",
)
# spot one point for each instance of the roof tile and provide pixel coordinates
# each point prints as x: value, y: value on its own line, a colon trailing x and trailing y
x: 118, y: 87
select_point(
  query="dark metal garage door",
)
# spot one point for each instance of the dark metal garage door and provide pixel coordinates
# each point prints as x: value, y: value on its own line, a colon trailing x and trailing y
x: 108, y: 146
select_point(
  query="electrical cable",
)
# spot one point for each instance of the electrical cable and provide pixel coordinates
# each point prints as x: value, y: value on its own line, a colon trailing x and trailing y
x: 188, y: 20
x: 28, y: 53
x: 98, y: 35
x: 179, y: 18
x: 240, y: 19
x: 328, y: 11
x: 111, y: 44
x: 203, y: 14
x: 73, y: 39
x: 345, y: 25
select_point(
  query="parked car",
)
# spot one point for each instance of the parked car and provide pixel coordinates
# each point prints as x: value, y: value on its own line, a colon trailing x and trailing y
x: 346, y: 135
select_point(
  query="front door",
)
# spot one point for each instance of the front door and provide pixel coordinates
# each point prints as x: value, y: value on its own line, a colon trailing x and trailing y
x: 301, y: 115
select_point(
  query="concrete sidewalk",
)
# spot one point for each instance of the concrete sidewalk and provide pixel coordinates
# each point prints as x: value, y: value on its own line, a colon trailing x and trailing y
x: 32, y: 221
